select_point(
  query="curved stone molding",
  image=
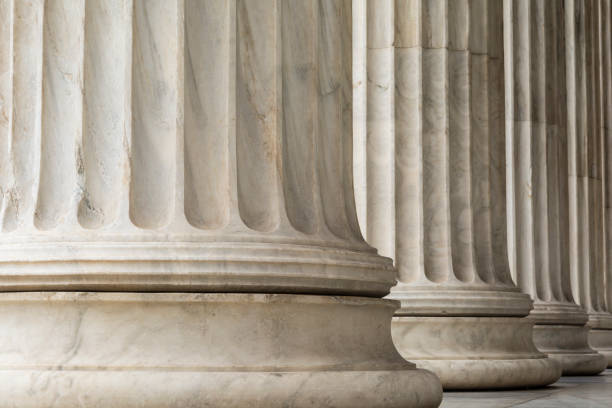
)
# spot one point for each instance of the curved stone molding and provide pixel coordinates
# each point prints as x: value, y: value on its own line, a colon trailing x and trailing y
x: 187, y: 146
x: 128, y: 350
x: 586, y: 144
x: 445, y: 219
x: 143, y: 132
x: 538, y: 192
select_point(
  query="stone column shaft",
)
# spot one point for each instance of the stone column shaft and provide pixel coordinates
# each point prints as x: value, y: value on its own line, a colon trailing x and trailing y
x: 538, y: 188
x: 601, y: 338
x: 460, y: 310
x: 586, y: 155
x: 187, y: 146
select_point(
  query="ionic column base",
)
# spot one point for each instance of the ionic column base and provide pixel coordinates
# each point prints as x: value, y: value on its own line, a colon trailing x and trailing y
x: 568, y: 345
x: 186, y: 350
x: 601, y: 340
x: 475, y: 352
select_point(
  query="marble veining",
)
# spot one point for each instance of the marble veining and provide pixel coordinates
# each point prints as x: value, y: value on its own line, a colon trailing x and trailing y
x: 164, y: 124
x: 445, y: 217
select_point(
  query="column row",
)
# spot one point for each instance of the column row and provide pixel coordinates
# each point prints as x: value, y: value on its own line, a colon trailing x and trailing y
x: 179, y: 130
x: 438, y: 204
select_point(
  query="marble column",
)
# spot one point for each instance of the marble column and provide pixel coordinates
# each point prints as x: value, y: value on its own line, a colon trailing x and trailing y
x: 461, y: 315
x: 536, y: 128
x: 585, y: 146
x: 601, y: 337
x: 177, y: 223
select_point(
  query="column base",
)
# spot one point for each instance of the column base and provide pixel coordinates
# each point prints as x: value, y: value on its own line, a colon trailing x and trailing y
x: 569, y: 346
x: 601, y: 340
x: 475, y: 352
x: 193, y: 350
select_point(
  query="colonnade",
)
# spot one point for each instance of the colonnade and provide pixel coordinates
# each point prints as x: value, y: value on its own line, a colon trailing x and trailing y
x: 499, y: 159
x: 330, y: 203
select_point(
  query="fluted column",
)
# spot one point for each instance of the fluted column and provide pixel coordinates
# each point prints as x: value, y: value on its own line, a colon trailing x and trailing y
x: 187, y: 146
x: 461, y: 314
x: 601, y: 335
x: 538, y: 195
x: 585, y: 145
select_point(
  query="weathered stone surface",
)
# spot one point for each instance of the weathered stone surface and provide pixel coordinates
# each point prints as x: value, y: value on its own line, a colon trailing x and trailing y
x: 444, y: 222
x: 187, y: 146
x: 538, y: 200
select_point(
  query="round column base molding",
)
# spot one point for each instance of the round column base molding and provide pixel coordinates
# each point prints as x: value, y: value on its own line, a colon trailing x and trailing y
x: 463, y: 300
x: 601, y: 340
x: 558, y: 313
x: 309, y: 267
x: 569, y: 346
x: 600, y: 320
x: 475, y: 353
x: 192, y: 350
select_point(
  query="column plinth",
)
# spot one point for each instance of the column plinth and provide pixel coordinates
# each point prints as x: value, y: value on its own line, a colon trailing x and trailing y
x: 177, y: 211
x: 461, y: 316
x: 539, y: 237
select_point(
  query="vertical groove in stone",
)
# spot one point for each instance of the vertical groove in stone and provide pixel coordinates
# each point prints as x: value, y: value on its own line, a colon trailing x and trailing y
x: 607, y: 128
x: 154, y: 106
x: 298, y: 33
x: 256, y: 111
x: 409, y: 257
x: 360, y: 101
x: 19, y: 193
x: 551, y: 174
x: 593, y: 148
x: 62, y: 113
x: 459, y: 128
x: 540, y: 70
x: 102, y: 159
x: 6, y: 91
x: 480, y: 142
x: 563, y: 168
x: 557, y: 158
x: 521, y: 139
x: 381, y: 137
x: 576, y: 91
x: 597, y: 240
x: 334, y: 133
x: 207, y: 99
x: 497, y: 132
x: 585, y: 145
x: 435, y: 142
x: 346, y: 24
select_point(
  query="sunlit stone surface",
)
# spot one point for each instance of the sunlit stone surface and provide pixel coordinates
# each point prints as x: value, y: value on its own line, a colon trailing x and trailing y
x: 187, y: 146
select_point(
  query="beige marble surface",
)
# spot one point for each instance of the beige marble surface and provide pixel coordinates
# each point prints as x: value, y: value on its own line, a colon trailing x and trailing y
x: 162, y: 143
x: 192, y: 350
x: 187, y: 146
x: 445, y: 218
x: 536, y: 127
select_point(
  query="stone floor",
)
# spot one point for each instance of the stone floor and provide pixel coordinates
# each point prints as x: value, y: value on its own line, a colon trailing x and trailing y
x: 569, y: 392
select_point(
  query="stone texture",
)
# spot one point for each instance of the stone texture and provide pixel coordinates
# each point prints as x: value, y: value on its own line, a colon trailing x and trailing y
x: 598, y: 335
x: 446, y: 220
x: 586, y: 153
x: 188, y: 146
x: 536, y: 128
x: 168, y: 350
